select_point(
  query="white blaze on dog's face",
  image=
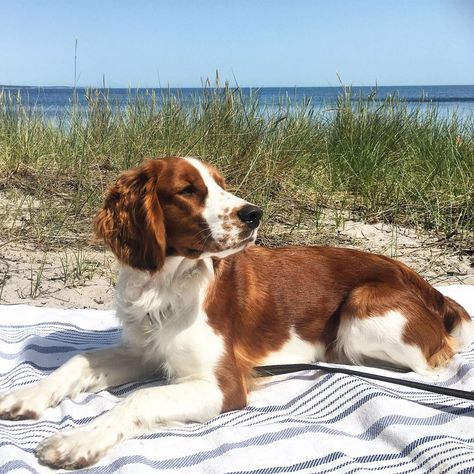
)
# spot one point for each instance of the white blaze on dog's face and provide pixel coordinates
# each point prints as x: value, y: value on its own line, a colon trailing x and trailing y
x: 232, y: 221
x: 174, y: 206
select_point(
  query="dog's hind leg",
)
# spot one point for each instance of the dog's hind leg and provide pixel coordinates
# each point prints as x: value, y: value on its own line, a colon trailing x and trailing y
x: 91, y: 371
x: 392, y: 325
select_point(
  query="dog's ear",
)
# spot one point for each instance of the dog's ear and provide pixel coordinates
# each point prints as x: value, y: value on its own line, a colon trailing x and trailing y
x: 131, y: 221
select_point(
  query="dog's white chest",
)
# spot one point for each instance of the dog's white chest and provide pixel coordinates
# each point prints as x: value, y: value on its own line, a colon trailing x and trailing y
x: 163, y: 317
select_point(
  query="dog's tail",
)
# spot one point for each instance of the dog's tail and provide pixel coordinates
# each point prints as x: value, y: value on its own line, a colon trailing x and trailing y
x: 458, y: 323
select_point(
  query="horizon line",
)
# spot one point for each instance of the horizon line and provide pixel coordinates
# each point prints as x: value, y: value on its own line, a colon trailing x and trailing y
x: 237, y: 86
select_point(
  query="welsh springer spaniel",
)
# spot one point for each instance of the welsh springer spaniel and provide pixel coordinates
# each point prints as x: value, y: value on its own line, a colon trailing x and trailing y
x: 200, y: 302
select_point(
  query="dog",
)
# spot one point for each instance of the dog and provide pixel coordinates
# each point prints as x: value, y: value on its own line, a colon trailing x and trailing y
x: 201, y: 303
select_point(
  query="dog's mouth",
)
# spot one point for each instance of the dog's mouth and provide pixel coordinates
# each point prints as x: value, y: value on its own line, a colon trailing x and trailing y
x: 225, y: 248
x: 250, y: 240
x: 245, y: 242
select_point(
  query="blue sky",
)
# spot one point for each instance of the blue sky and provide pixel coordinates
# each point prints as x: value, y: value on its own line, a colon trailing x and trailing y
x: 259, y: 42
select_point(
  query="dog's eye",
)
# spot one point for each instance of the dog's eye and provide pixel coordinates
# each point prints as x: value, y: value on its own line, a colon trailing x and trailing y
x: 188, y: 190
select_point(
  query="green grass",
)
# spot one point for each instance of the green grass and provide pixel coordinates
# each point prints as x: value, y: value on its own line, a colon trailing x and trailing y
x: 379, y: 161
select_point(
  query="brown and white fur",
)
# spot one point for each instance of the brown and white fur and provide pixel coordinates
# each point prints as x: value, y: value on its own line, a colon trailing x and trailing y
x: 200, y: 302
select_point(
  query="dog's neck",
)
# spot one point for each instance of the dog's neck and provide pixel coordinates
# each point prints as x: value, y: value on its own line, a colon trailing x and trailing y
x: 175, y: 285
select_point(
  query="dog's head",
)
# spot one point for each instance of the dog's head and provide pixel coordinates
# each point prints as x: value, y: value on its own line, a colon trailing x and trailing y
x: 174, y: 206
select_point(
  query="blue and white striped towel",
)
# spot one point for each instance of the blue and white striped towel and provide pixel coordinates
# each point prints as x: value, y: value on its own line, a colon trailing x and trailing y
x: 301, y: 423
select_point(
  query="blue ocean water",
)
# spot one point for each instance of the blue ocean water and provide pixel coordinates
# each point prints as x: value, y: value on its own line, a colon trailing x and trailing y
x: 53, y: 101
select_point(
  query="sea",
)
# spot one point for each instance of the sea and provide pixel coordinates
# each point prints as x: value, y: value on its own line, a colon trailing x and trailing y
x: 447, y: 100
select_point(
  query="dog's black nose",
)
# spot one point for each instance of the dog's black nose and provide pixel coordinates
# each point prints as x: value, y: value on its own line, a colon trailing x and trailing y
x: 251, y: 215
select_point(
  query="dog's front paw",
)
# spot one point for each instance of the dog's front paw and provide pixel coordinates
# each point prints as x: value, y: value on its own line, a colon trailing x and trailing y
x: 73, y: 449
x: 27, y: 403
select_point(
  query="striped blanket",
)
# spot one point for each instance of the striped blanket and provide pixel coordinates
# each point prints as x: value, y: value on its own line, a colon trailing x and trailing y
x: 300, y: 423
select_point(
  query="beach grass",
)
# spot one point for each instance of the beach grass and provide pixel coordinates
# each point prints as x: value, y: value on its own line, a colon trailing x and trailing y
x: 378, y: 161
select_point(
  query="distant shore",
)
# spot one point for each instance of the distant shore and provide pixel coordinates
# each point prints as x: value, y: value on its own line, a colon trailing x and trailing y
x: 448, y: 99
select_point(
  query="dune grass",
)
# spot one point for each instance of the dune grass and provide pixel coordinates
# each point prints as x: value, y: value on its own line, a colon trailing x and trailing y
x: 379, y: 161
